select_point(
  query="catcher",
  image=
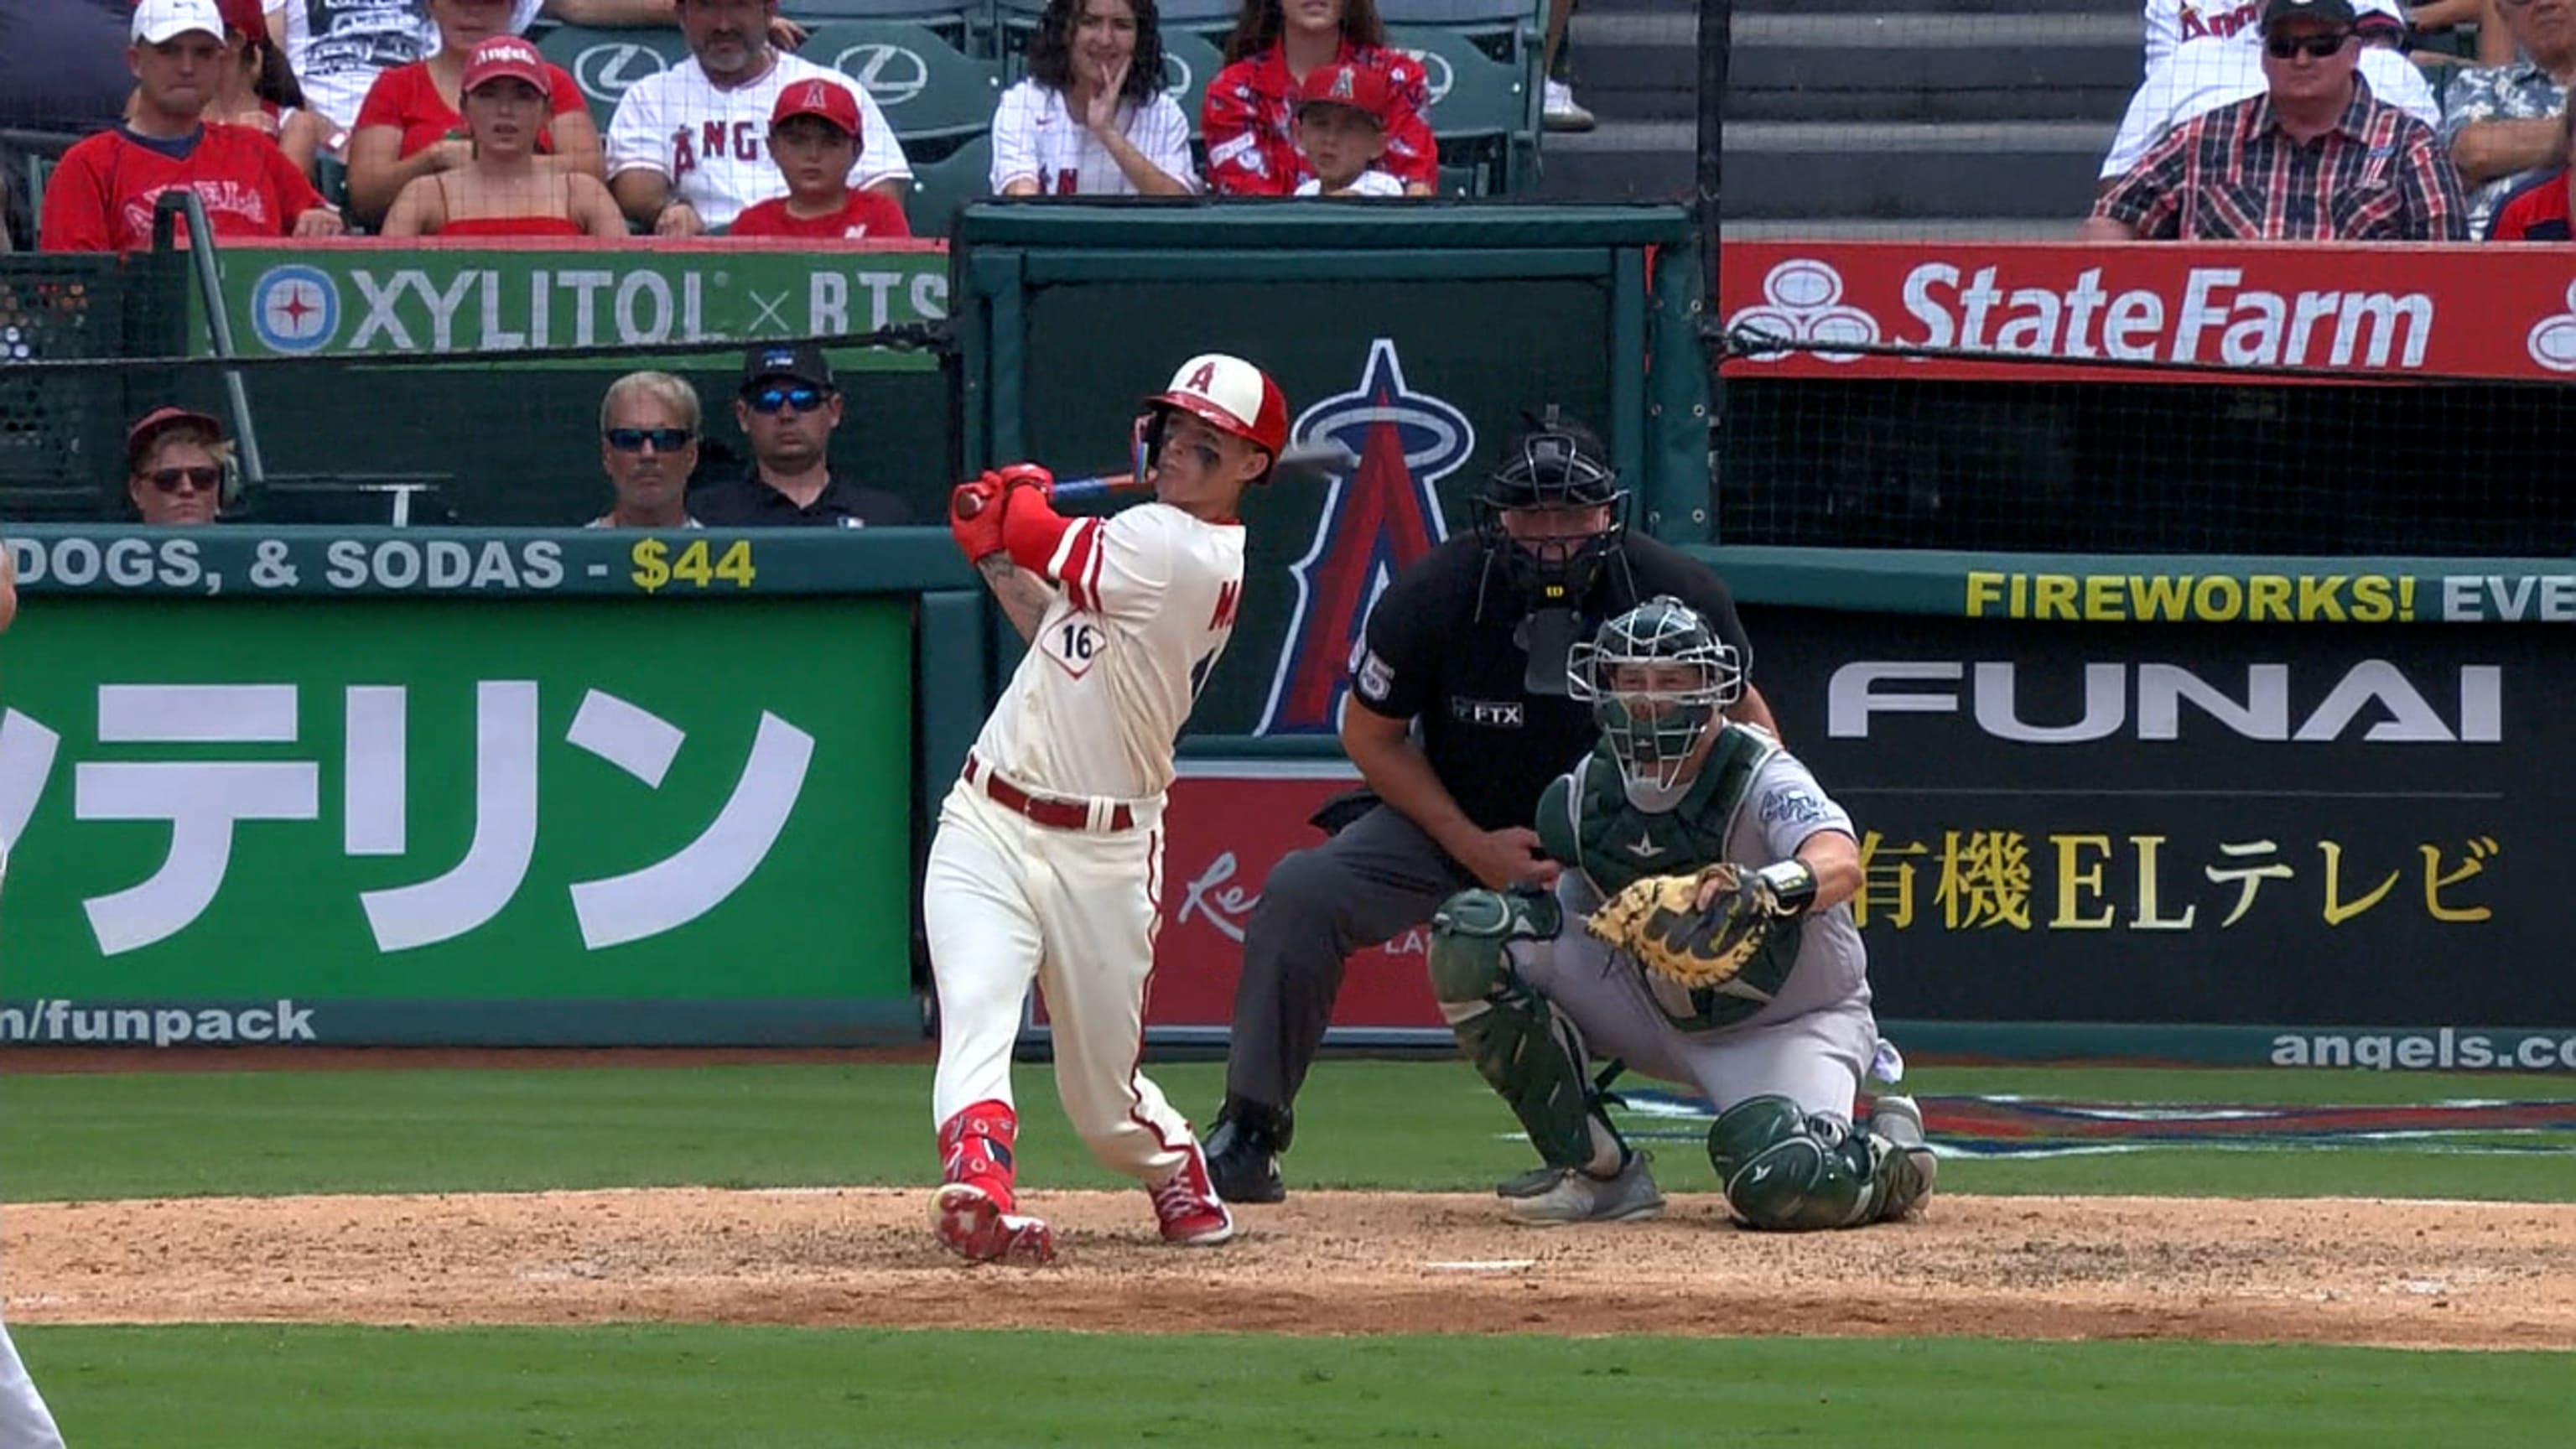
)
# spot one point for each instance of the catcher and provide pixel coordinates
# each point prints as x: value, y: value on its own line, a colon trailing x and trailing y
x: 1700, y: 933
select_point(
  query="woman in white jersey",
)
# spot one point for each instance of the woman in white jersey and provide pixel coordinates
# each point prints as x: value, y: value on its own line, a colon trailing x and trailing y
x: 1092, y: 118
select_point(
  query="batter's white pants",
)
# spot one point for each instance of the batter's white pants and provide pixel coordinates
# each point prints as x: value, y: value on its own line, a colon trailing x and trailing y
x: 25, y: 1422
x: 1006, y: 901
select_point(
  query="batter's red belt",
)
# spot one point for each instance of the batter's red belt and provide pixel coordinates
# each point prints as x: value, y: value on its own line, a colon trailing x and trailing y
x: 1046, y: 810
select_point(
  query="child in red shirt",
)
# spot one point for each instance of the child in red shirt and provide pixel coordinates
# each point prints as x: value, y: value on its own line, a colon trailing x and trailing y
x: 814, y: 133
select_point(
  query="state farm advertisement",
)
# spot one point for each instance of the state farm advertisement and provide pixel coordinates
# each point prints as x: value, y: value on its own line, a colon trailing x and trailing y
x: 2497, y: 311
x: 1226, y: 824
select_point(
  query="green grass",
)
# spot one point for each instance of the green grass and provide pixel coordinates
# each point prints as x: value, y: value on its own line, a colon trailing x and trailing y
x: 706, y: 1388
x: 1420, y: 1125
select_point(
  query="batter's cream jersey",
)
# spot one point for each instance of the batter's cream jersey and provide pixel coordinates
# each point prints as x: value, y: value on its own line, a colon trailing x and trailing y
x: 1098, y: 702
x: 712, y: 144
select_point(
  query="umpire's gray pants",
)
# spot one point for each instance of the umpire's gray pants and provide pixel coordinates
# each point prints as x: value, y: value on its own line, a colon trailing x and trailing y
x: 1380, y: 876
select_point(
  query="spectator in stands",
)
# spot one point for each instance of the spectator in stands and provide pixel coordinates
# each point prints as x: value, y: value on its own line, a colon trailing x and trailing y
x: 1246, y: 118
x: 788, y: 409
x: 816, y: 134
x: 687, y: 147
x: 2210, y: 71
x: 2495, y: 42
x: 648, y: 445
x: 2501, y: 121
x: 1341, y: 131
x: 1092, y: 118
x: 258, y: 89
x: 1560, y: 110
x: 410, y: 128
x: 176, y: 461
x: 102, y: 195
x: 339, y: 47
x: 2538, y: 209
x: 2315, y: 157
x: 506, y: 189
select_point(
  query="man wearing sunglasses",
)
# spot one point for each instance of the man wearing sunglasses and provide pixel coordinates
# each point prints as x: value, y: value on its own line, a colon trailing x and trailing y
x: 2315, y: 157
x: 175, y: 461
x: 2202, y: 74
x: 648, y: 446
x: 788, y: 409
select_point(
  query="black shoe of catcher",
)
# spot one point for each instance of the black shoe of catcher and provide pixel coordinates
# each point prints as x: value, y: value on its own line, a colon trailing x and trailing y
x: 1243, y: 1151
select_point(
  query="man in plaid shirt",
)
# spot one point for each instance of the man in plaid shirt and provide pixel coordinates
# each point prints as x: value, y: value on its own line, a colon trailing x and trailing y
x: 2316, y: 157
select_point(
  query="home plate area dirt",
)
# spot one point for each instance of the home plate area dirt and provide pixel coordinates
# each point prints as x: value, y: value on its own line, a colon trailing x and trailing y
x: 2412, y: 1274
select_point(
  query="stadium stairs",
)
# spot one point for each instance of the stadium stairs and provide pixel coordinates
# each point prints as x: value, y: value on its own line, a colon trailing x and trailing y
x: 1859, y: 118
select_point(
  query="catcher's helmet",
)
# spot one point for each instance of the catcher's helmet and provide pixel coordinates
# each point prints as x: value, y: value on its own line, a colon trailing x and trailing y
x: 1228, y: 394
x: 1657, y: 678
x: 1557, y: 464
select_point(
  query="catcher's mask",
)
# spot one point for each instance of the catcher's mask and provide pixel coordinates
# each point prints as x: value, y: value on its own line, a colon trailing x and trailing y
x: 1657, y: 678
x: 1529, y: 511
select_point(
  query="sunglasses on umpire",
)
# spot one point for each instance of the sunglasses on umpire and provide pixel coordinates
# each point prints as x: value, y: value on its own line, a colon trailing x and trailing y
x: 196, y: 480
x: 771, y: 399
x: 664, y: 440
x: 2317, y: 46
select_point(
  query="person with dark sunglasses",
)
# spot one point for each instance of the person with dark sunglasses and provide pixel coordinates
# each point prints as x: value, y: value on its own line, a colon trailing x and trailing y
x: 648, y: 446
x: 789, y: 408
x: 2317, y: 156
x: 175, y: 463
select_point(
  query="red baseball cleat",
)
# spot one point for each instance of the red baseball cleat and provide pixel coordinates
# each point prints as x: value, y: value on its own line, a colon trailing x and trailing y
x: 970, y: 1221
x: 1193, y: 1215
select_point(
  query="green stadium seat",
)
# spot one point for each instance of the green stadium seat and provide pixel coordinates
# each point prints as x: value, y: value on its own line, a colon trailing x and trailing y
x: 954, y: 21
x: 940, y: 187
x: 1505, y: 29
x: 1189, y: 63
x: 331, y: 178
x: 1462, y: 181
x: 1484, y: 112
x: 928, y: 89
x: 606, y: 62
x: 1210, y: 20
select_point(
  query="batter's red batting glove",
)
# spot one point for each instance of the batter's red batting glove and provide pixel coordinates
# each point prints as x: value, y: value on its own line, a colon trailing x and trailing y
x: 975, y: 518
x: 1024, y: 475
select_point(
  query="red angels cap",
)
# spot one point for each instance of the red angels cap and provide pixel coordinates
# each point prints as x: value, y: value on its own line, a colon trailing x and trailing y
x: 150, y: 426
x: 826, y: 99
x: 243, y: 17
x: 1359, y: 87
x: 505, y: 57
x: 1231, y: 395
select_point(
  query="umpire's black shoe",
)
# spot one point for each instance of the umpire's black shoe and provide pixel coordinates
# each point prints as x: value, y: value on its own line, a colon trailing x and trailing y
x: 1243, y: 1151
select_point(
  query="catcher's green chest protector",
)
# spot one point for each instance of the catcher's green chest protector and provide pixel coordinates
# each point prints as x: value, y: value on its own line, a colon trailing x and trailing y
x: 1603, y: 834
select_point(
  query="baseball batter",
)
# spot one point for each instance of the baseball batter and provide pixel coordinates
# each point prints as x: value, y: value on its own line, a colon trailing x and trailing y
x: 25, y: 1422
x: 1048, y: 863
x: 1781, y: 1049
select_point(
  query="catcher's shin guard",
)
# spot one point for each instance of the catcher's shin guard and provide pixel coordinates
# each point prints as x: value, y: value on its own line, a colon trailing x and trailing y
x: 1521, y: 1045
x: 1785, y: 1171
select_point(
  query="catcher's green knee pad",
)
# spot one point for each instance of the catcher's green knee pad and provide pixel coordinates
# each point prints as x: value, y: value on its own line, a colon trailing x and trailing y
x: 1785, y: 1171
x: 1522, y: 1047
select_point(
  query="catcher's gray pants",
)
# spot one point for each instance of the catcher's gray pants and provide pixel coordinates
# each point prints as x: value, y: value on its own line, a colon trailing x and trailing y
x: 25, y: 1423
x: 1375, y: 879
x: 1815, y: 1058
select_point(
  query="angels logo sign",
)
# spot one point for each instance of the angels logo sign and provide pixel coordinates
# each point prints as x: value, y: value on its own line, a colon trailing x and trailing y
x: 1378, y: 517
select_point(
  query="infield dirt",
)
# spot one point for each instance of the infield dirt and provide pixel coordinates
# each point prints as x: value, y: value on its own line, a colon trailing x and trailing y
x: 2397, y: 1273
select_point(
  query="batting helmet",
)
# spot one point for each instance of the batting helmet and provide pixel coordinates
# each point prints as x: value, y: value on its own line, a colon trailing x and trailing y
x: 1228, y: 394
x: 1557, y: 464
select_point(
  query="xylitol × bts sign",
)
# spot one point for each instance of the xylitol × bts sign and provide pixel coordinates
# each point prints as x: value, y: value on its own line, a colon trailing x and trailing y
x: 376, y: 301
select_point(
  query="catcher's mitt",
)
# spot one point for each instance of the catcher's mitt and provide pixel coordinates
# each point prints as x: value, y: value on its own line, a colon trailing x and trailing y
x: 1657, y: 919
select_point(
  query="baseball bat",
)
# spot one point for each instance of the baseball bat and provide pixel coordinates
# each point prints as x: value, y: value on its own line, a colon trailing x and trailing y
x: 1313, y: 456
